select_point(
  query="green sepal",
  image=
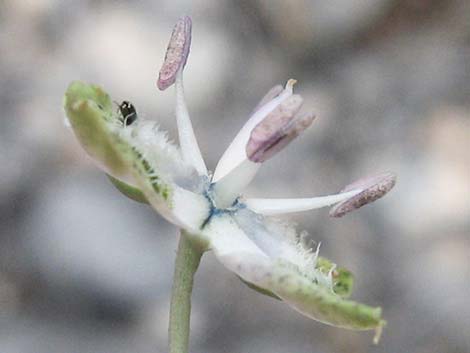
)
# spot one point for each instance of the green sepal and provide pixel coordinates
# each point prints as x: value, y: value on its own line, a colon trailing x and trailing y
x: 259, y: 289
x: 321, y: 304
x: 89, y: 110
x: 95, y: 124
x: 312, y: 299
x: 343, y: 279
x: 128, y: 190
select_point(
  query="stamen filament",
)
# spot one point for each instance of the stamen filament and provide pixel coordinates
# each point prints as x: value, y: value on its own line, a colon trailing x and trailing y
x: 282, y: 206
x: 228, y: 188
x: 188, y: 143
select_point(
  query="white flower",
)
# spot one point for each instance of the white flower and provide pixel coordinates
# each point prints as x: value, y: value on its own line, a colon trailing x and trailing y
x: 267, y: 254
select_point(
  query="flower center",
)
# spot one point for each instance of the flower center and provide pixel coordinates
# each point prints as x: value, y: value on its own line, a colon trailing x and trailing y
x: 209, y: 194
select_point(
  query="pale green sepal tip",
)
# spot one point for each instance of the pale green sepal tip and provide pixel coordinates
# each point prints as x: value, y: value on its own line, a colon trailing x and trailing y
x: 128, y: 190
x: 89, y: 110
x: 78, y: 90
x: 342, y: 278
x: 323, y: 305
x: 343, y: 282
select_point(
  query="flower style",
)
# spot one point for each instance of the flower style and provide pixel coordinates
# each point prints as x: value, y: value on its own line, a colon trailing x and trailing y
x: 267, y: 254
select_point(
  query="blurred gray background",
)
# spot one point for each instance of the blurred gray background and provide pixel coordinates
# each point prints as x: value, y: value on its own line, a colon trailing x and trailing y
x: 83, y: 269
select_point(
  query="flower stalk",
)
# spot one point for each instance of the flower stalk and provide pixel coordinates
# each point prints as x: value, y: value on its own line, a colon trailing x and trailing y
x: 187, y: 261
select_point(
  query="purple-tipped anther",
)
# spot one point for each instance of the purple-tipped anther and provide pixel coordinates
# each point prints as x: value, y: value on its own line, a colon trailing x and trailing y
x: 277, y: 129
x: 176, y: 54
x: 373, y: 188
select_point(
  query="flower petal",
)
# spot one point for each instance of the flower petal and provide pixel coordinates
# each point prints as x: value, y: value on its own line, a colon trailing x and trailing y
x: 308, y: 298
x: 254, y: 261
x: 137, y: 155
x: 226, y: 237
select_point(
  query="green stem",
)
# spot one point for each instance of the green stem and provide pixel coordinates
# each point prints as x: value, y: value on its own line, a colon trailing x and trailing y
x: 186, y: 264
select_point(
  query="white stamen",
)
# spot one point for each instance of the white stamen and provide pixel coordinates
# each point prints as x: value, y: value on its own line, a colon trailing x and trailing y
x: 232, y: 184
x: 281, y: 206
x: 236, y: 151
x: 188, y: 143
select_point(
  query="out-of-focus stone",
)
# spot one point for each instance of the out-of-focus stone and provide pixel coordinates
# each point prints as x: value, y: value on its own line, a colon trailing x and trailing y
x: 302, y: 24
x: 84, y: 237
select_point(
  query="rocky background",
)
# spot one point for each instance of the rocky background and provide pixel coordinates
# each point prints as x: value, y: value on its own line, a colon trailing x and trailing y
x: 83, y: 269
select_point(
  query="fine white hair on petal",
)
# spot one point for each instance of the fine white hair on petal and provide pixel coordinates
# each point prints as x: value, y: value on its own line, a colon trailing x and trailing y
x: 243, y: 235
x: 281, y: 242
x: 295, y: 250
x: 154, y: 146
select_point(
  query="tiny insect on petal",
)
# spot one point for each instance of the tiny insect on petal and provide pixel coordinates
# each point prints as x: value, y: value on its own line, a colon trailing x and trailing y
x: 373, y: 188
x: 176, y: 54
x: 128, y: 113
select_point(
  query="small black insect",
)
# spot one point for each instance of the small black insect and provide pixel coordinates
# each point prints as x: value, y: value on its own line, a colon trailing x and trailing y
x: 128, y: 113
